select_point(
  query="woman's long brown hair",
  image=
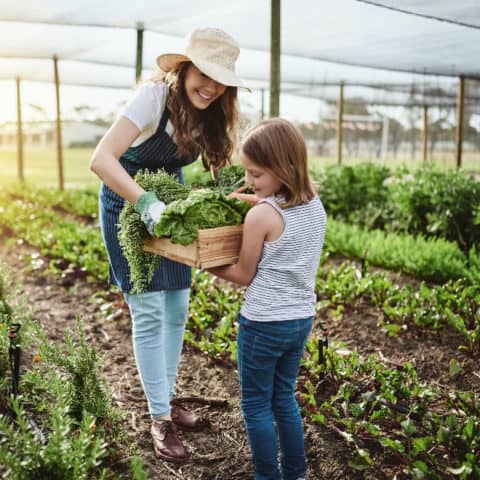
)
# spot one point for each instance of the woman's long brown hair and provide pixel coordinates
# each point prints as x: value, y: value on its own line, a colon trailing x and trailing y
x: 211, y: 131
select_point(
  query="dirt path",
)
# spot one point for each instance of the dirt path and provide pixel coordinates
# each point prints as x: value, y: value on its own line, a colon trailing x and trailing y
x: 219, y: 453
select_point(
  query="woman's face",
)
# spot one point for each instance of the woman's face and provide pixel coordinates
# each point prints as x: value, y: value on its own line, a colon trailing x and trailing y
x: 201, y: 90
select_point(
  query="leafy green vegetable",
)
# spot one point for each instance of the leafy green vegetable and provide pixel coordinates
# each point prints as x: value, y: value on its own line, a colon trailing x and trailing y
x: 164, y: 185
x: 202, y: 209
x: 133, y: 232
x: 186, y: 212
x: 230, y: 178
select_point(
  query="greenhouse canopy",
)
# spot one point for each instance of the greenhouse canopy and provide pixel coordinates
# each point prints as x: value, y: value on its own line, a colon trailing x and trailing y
x: 410, y: 55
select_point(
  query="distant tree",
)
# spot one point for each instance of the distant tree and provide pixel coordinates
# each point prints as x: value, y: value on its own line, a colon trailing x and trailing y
x: 83, y: 112
x: 396, y: 133
x: 356, y: 107
x: 439, y: 128
x: 353, y: 138
x: 413, y: 132
x: 91, y: 114
x: 470, y: 133
x: 35, y: 113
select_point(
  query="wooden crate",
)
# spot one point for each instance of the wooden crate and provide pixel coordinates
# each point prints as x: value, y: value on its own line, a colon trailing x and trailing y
x: 213, y: 247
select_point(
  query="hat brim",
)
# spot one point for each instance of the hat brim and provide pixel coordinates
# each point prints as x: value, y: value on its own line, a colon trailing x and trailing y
x: 169, y: 61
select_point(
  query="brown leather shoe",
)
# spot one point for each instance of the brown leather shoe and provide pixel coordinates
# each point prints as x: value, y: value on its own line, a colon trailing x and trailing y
x: 166, y: 441
x: 186, y: 420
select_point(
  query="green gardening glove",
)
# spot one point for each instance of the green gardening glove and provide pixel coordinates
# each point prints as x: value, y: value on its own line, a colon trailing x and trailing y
x: 150, y: 209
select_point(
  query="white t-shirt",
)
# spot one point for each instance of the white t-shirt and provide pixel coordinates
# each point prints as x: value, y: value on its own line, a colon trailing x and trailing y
x: 145, y: 109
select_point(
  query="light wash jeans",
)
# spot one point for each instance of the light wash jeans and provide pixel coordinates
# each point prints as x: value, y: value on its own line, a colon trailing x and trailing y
x: 269, y: 355
x: 158, y: 325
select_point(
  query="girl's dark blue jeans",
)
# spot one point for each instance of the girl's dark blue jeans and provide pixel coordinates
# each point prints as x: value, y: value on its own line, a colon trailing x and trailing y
x: 269, y: 355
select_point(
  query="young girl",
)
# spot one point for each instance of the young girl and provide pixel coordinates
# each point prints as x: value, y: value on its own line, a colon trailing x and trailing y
x: 189, y: 108
x: 282, y: 240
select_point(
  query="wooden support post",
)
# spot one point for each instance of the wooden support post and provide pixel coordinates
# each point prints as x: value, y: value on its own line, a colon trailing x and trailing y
x: 59, y: 126
x: 340, y: 125
x: 139, y: 53
x: 384, y: 146
x: 425, y: 133
x: 21, y: 177
x: 460, y: 110
x: 275, y: 58
x: 262, y: 104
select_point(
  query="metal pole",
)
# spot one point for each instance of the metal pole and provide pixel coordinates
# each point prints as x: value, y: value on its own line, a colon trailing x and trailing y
x: 139, y: 53
x: 460, y: 109
x: 340, y: 125
x: 21, y: 177
x: 275, y: 58
x: 425, y: 132
x: 59, y: 125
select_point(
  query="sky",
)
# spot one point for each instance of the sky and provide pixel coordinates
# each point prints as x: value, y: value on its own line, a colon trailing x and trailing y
x: 105, y: 102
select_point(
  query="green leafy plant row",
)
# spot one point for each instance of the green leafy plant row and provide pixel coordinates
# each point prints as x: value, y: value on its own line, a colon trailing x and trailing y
x: 428, y: 202
x: 454, y: 305
x: 56, y: 237
x: 82, y: 246
x: 81, y: 202
x: 213, y: 310
x: 62, y: 425
x: 427, y: 258
x: 376, y: 410
x: 84, y: 202
x: 431, y: 259
x: 386, y: 412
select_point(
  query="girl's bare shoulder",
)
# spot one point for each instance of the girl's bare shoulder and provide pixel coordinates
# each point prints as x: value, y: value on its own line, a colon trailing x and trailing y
x: 260, y: 211
x: 265, y: 217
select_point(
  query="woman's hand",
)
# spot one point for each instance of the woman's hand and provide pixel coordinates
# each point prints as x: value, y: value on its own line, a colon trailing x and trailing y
x: 250, y: 198
x: 150, y: 209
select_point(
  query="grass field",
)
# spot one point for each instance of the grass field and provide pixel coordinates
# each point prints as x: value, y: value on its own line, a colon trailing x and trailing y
x: 40, y: 166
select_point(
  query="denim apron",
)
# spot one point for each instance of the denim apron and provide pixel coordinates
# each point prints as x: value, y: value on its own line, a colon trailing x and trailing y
x: 157, y: 152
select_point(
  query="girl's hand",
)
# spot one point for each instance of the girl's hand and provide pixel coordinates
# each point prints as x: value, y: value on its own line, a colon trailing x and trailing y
x: 250, y: 198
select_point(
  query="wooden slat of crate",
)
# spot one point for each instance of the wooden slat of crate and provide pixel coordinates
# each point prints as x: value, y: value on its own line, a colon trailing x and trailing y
x: 213, y: 247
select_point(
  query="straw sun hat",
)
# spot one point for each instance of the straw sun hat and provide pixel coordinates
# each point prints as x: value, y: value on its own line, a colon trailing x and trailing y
x: 212, y: 51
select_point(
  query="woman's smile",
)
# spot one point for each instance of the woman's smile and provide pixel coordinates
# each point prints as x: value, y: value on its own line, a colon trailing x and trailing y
x: 201, y: 90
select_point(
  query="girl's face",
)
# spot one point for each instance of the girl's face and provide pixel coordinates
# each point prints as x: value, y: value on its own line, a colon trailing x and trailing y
x: 201, y: 90
x: 263, y: 182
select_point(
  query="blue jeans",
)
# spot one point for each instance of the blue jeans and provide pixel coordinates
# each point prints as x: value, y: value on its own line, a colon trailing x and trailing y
x: 269, y: 355
x: 158, y: 325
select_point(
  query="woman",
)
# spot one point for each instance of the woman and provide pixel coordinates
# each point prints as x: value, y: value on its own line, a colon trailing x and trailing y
x: 188, y: 108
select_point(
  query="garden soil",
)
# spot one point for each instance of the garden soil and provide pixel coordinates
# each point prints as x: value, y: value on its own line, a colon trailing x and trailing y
x: 221, y: 452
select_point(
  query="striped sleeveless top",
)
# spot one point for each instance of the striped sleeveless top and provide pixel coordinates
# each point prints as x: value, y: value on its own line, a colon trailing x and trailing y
x: 283, y: 287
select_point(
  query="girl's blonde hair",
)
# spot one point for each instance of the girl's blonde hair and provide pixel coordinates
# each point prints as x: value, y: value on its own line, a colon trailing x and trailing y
x: 278, y: 146
x: 215, y: 127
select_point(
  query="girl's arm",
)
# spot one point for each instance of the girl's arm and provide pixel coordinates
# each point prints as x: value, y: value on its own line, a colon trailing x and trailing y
x: 105, y: 160
x: 256, y: 227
